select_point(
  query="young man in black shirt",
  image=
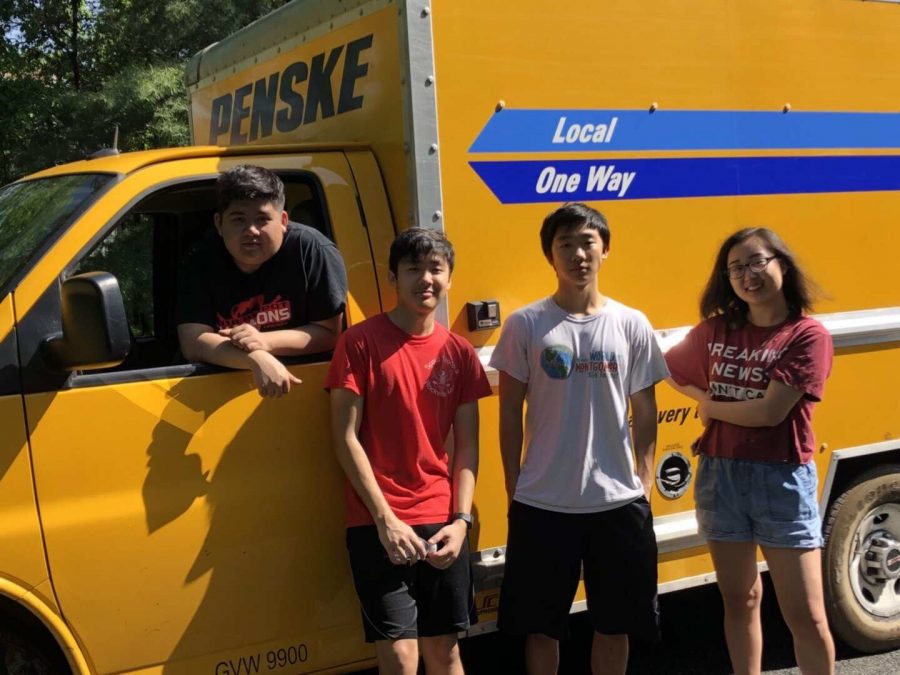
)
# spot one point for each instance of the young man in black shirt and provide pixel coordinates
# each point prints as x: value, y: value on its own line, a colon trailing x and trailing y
x: 264, y: 288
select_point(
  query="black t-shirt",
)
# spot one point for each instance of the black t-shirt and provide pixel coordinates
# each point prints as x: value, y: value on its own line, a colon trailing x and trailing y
x: 304, y: 281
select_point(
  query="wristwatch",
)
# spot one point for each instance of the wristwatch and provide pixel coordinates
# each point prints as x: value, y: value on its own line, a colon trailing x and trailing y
x: 465, y: 517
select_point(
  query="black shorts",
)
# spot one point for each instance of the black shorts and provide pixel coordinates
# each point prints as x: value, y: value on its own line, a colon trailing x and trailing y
x: 545, y: 553
x: 409, y: 601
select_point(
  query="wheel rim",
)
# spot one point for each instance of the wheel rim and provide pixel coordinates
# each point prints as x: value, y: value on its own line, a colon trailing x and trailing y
x: 875, y: 561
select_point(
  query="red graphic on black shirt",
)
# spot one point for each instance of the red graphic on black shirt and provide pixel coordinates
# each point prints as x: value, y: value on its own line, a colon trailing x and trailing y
x: 258, y: 313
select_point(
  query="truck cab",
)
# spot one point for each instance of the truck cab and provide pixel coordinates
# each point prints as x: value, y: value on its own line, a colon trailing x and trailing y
x: 148, y: 488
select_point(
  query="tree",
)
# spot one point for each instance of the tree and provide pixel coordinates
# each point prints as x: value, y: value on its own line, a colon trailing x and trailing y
x: 73, y: 70
x: 172, y: 30
x: 52, y: 36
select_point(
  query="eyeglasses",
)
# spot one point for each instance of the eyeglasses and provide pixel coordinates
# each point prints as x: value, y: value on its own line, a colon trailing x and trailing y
x: 756, y: 265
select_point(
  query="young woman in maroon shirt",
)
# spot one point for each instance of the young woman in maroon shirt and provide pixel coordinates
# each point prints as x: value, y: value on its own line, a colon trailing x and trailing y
x: 757, y: 365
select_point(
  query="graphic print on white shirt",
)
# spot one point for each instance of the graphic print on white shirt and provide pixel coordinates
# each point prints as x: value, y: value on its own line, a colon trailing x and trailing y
x: 559, y: 362
x: 580, y: 373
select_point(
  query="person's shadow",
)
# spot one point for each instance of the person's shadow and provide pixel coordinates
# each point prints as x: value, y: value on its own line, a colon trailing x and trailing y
x: 273, y: 559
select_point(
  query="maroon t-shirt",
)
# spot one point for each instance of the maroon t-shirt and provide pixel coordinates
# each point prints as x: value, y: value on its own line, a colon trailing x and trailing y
x: 737, y: 365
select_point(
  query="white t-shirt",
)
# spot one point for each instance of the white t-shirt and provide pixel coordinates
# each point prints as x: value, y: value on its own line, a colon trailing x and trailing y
x: 580, y: 372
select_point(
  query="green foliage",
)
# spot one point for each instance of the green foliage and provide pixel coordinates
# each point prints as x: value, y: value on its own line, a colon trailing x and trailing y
x: 178, y: 28
x: 73, y: 70
x: 51, y: 37
x: 126, y: 253
x: 147, y: 103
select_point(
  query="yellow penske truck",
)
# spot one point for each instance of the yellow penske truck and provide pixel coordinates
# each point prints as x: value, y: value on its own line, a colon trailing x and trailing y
x: 158, y: 516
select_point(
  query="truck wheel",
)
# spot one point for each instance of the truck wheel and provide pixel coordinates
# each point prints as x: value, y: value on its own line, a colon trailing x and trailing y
x: 861, y: 561
x: 22, y: 653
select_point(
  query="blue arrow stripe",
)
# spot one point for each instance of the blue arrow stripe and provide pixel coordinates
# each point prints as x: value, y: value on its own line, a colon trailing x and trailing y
x: 534, y: 130
x: 526, y: 182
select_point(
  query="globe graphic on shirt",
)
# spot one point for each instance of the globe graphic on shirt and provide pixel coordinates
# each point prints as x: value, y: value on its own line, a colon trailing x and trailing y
x: 556, y: 361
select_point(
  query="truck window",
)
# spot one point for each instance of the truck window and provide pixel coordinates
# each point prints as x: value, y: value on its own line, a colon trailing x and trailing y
x: 33, y: 212
x: 127, y: 253
x: 147, y: 248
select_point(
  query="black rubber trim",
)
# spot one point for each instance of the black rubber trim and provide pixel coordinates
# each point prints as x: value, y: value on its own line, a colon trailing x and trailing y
x: 311, y: 178
x: 365, y: 223
x: 80, y: 381
x: 10, y: 382
x: 41, y: 322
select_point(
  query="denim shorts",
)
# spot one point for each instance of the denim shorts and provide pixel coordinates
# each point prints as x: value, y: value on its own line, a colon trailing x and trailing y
x: 770, y: 503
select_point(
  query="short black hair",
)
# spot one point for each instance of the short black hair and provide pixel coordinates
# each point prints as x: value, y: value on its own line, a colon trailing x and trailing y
x: 418, y: 243
x: 248, y: 181
x: 719, y: 298
x: 570, y: 216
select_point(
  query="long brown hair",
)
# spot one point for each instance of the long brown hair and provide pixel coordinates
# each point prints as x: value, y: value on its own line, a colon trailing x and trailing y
x: 719, y: 297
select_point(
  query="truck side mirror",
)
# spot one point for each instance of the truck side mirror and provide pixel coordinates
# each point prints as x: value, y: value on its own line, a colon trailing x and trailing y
x: 94, y: 325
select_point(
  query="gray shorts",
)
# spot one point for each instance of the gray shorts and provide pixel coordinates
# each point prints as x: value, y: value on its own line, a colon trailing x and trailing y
x: 770, y: 503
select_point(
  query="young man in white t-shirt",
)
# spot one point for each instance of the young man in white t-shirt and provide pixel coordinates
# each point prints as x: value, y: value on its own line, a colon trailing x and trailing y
x: 581, y: 497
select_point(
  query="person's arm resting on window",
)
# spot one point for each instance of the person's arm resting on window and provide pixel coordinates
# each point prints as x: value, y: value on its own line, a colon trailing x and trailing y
x: 314, y: 337
x: 201, y: 343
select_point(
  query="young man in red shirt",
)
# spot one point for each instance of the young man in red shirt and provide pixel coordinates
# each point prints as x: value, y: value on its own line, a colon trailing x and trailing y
x: 399, y: 382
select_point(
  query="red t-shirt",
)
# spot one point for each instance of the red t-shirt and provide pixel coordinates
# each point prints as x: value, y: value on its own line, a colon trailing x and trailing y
x: 737, y: 364
x: 412, y: 386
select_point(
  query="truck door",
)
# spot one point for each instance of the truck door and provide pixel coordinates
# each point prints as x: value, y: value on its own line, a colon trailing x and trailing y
x: 192, y: 526
x: 21, y: 553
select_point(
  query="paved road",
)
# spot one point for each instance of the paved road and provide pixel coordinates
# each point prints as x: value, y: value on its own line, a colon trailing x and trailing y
x: 693, y: 644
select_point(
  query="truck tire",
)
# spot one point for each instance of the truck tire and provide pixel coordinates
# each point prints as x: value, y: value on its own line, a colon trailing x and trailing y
x: 24, y: 652
x: 861, y: 561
